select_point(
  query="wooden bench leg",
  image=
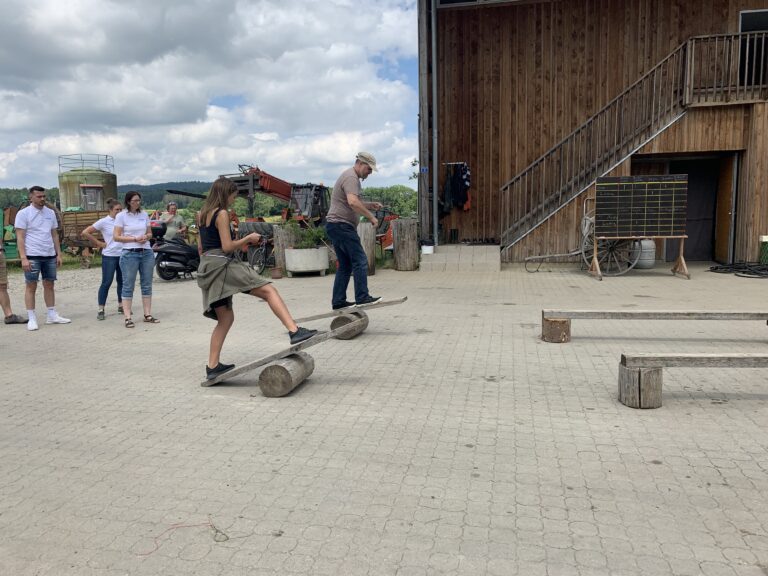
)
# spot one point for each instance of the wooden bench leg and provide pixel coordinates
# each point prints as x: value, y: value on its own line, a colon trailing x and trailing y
x: 348, y: 318
x: 282, y: 376
x: 640, y: 387
x: 557, y: 330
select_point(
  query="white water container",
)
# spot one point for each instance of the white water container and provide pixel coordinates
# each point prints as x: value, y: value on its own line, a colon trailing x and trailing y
x: 647, y: 258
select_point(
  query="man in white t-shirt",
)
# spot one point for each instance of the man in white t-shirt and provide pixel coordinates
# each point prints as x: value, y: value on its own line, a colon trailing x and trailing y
x: 40, y: 253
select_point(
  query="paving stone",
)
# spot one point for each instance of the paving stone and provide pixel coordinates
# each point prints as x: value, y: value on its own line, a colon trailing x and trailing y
x: 447, y: 439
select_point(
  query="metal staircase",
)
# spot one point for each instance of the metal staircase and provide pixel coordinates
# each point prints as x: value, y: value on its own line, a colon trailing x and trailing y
x: 704, y: 71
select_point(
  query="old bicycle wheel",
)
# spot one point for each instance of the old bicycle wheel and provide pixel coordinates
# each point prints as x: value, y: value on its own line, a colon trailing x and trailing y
x: 616, y: 257
x: 257, y: 258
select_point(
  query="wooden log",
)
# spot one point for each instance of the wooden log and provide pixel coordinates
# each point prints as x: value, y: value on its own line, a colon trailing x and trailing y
x: 405, y: 243
x: 629, y: 386
x: 283, y: 238
x: 557, y: 330
x: 640, y: 387
x: 367, y: 234
x: 650, y: 387
x: 347, y: 318
x: 282, y: 376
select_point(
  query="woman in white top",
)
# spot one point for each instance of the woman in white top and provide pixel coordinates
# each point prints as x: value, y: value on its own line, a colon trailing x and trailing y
x: 110, y: 256
x: 132, y: 229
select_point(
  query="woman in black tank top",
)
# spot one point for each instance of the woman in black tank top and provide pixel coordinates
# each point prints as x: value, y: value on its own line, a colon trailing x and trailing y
x: 220, y: 276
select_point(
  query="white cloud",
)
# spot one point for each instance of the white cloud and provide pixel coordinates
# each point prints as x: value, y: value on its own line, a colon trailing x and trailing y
x: 178, y: 91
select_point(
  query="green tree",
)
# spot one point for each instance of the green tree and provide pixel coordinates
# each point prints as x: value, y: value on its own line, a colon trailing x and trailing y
x: 402, y: 200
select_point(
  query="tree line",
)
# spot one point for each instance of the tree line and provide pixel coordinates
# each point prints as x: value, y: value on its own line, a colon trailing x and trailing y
x: 402, y: 200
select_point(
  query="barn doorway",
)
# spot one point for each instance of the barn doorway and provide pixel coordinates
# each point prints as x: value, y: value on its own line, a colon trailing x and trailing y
x: 711, y: 203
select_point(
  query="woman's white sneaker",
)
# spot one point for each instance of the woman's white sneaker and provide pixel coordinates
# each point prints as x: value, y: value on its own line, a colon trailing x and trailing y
x: 57, y: 320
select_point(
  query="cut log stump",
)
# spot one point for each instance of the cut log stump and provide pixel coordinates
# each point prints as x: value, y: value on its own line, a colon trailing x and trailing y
x: 640, y: 387
x: 284, y: 375
x: 557, y: 330
x: 347, y: 318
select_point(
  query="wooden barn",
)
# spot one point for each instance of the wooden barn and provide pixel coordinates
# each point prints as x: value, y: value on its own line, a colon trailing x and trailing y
x: 530, y: 102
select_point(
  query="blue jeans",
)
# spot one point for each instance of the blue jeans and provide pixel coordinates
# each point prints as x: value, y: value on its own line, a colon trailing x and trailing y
x: 45, y: 267
x: 141, y: 263
x: 352, y: 262
x: 110, y: 265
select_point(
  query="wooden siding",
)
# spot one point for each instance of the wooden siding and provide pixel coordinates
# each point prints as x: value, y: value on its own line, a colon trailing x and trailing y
x: 705, y: 129
x: 515, y: 79
x: 752, y: 198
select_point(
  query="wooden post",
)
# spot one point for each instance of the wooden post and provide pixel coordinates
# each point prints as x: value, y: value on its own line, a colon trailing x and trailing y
x: 367, y: 234
x: 680, y: 266
x: 405, y: 243
x: 282, y: 376
x: 556, y: 330
x: 640, y: 387
x: 282, y: 239
x: 347, y: 318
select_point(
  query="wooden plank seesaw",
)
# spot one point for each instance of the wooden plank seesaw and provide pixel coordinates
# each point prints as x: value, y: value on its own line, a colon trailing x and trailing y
x: 289, y: 367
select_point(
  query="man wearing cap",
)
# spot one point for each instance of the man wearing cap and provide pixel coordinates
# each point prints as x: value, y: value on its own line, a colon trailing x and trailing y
x: 341, y: 226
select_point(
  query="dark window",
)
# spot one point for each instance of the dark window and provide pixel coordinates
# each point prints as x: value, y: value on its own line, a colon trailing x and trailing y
x: 753, y: 66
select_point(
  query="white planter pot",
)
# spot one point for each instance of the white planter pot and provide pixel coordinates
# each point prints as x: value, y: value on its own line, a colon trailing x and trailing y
x: 306, y: 260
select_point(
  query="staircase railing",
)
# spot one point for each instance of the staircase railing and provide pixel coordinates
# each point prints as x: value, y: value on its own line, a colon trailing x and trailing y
x: 704, y: 71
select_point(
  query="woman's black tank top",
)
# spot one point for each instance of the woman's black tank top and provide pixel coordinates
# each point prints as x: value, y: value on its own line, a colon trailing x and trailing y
x: 209, y: 235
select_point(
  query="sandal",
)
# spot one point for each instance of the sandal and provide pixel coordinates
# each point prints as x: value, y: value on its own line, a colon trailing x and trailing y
x: 151, y: 319
x: 129, y: 323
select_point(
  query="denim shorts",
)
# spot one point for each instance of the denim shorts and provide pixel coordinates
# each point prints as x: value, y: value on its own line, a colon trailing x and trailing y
x: 45, y: 266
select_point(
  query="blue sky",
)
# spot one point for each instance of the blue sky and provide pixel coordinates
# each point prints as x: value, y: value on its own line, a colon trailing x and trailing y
x: 187, y: 91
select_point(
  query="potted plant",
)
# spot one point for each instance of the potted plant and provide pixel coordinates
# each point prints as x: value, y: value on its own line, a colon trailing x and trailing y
x: 308, y: 251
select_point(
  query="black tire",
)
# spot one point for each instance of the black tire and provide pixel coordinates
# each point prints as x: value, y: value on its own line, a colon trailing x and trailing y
x: 165, y: 273
x: 258, y: 259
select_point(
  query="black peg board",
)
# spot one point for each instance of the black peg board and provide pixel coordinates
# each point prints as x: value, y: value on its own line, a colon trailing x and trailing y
x: 641, y: 206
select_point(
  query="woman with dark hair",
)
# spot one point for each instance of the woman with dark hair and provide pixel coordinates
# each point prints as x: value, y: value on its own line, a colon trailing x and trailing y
x: 132, y: 229
x: 220, y: 276
x: 110, y: 256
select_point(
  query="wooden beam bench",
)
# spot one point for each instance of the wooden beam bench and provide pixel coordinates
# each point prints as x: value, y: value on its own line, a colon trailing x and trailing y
x: 556, y: 324
x: 640, y: 376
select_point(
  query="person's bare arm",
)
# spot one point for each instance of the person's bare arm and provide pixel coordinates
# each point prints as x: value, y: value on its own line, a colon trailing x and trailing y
x: 227, y: 244
x: 57, y: 246
x: 360, y: 207
x: 20, y: 235
x: 89, y: 234
x: 118, y: 236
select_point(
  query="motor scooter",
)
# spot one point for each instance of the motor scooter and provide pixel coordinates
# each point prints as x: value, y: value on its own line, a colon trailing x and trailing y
x: 174, y: 256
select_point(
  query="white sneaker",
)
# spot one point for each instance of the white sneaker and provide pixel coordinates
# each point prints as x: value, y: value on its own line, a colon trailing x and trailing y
x: 57, y: 320
x: 32, y: 324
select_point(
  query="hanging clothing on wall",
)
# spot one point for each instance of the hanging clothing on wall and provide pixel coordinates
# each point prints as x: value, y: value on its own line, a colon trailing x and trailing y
x: 456, y: 189
x: 465, y: 181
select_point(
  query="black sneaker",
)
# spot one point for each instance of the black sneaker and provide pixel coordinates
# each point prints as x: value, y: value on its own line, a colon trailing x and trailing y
x: 343, y: 305
x: 368, y: 300
x: 213, y: 373
x: 300, y: 335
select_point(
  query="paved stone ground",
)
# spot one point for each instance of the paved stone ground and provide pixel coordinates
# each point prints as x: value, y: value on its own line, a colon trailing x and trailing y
x: 445, y: 440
